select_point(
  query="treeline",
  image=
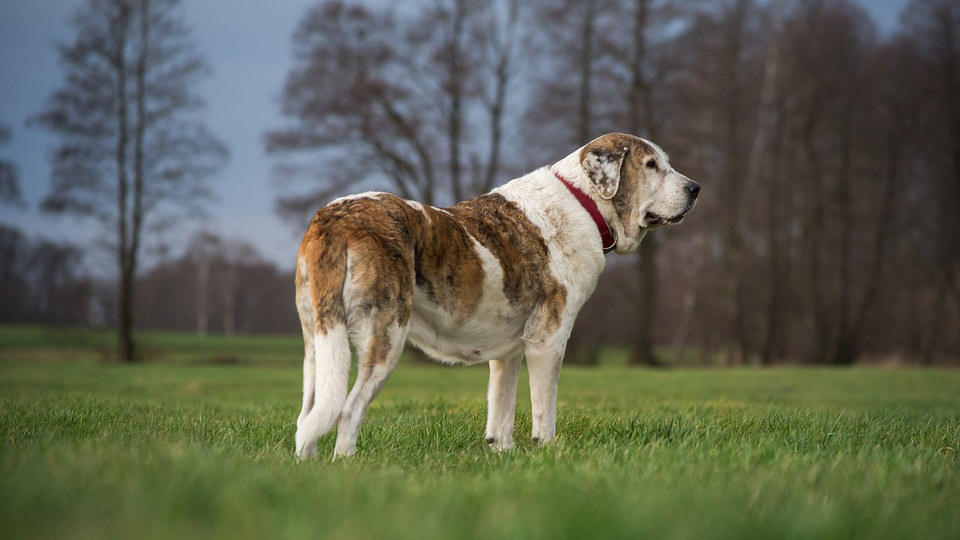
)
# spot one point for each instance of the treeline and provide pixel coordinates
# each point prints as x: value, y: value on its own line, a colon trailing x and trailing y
x: 216, y: 286
x: 41, y: 281
x: 828, y: 151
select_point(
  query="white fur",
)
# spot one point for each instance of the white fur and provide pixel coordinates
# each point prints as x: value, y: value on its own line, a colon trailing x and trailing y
x: 364, y: 195
x: 502, y: 402
x: 331, y: 371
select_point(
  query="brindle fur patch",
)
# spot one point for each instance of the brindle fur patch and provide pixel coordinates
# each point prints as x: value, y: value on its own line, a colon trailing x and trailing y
x: 448, y: 268
x: 518, y: 244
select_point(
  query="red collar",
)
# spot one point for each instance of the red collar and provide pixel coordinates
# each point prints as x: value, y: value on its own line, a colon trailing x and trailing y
x: 607, y: 237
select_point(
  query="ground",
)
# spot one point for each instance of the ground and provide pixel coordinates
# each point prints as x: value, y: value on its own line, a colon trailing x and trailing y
x: 184, y: 446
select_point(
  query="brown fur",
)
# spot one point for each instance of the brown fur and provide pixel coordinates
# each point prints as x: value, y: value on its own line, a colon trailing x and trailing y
x: 448, y: 269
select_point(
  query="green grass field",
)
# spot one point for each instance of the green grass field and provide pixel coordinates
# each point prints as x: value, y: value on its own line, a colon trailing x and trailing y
x: 181, y: 448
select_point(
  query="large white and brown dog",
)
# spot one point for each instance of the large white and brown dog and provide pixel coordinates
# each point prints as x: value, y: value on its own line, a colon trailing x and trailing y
x: 494, y: 279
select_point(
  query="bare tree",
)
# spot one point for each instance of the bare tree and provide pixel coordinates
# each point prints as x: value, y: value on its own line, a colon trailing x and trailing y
x: 568, y: 106
x: 399, y: 92
x: 933, y: 28
x: 501, y: 31
x: 569, y: 103
x: 200, y: 251
x: 765, y: 168
x: 638, y: 67
x: 132, y: 153
x: 723, y: 43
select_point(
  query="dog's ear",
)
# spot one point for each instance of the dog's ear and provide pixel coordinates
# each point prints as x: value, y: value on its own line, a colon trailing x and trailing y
x: 602, y: 163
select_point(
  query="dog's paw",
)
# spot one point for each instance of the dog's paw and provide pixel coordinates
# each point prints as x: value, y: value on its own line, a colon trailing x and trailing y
x: 498, y: 445
x: 305, y: 454
x: 542, y: 441
x: 305, y: 450
x: 344, y: 453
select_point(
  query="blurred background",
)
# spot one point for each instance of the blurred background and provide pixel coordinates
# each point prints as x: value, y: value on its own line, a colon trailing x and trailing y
x: 159, y: 160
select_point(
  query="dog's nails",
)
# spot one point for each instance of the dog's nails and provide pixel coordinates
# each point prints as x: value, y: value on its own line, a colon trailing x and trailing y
x: 536, y: 440
x: 491, y: 440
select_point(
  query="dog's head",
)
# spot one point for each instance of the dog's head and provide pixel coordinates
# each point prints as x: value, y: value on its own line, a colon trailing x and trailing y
x: 635, y: 177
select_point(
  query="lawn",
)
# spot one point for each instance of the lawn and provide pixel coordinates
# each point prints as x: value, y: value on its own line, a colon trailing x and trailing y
x: 189, y: 449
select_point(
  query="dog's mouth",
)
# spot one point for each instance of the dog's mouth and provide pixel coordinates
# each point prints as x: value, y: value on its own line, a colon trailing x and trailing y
x: 655, y: 220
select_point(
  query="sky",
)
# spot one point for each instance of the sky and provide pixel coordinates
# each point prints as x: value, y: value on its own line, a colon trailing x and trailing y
x: 247, y: 42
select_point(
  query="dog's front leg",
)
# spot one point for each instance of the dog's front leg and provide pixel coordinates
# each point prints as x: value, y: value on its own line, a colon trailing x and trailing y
x: 502, y: 402
x: 543, y: 365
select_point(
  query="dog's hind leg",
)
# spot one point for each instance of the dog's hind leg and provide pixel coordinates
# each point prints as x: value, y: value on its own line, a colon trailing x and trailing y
x: 309, y: 376
x: 321, y: 272
x: 331, y: 373
x: 307, y: 323
x: 502, y: 402
x: 378, y: 355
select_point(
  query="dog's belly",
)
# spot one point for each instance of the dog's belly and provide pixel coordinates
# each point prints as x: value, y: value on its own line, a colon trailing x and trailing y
x: 494, y: 332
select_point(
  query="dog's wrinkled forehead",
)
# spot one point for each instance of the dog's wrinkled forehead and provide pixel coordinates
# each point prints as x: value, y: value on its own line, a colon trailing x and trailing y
x: 612, y: 146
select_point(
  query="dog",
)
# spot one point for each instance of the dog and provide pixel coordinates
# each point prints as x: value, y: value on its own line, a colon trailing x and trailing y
x: 493, y: 279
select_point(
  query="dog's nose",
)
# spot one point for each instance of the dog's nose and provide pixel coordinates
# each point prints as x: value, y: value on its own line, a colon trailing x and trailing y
x: 693, y: 188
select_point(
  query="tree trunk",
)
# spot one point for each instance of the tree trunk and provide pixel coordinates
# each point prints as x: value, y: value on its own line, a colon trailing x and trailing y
x: 577, y: 351
x: 733, y: 178
x: 845, y: 351
x: 203, y: 279
x: 896, y: 132
x: 812, y: 233
x: 643, y: 352
x: 127, y: 347
x: 586, y: 72
x: 641, y: 110
x: 503, y: 52
x: 455, y: 119
x: 228, y: 291
x: 777, y: 277
x: 932, y: 344
x: 125, y: 344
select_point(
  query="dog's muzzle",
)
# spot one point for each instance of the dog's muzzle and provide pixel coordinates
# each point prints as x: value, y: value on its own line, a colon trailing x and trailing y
x: 693, y: 191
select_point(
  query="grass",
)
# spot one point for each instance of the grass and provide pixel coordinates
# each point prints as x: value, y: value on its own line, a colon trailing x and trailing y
x: 174, y: 449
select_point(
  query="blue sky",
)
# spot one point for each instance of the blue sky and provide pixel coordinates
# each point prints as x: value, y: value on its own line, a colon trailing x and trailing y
x: 248, y: 44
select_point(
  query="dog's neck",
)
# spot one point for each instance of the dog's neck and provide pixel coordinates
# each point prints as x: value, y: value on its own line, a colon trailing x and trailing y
x: 569, y: 169
x: 608, y: 238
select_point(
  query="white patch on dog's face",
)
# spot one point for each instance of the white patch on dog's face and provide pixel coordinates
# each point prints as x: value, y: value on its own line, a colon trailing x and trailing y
x: 666, y: 195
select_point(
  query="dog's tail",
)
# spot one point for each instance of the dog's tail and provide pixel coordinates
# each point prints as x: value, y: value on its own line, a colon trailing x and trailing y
x: 320, y: 282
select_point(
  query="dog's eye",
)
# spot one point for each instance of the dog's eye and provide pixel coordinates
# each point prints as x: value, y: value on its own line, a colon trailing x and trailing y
x: 652, y: 164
